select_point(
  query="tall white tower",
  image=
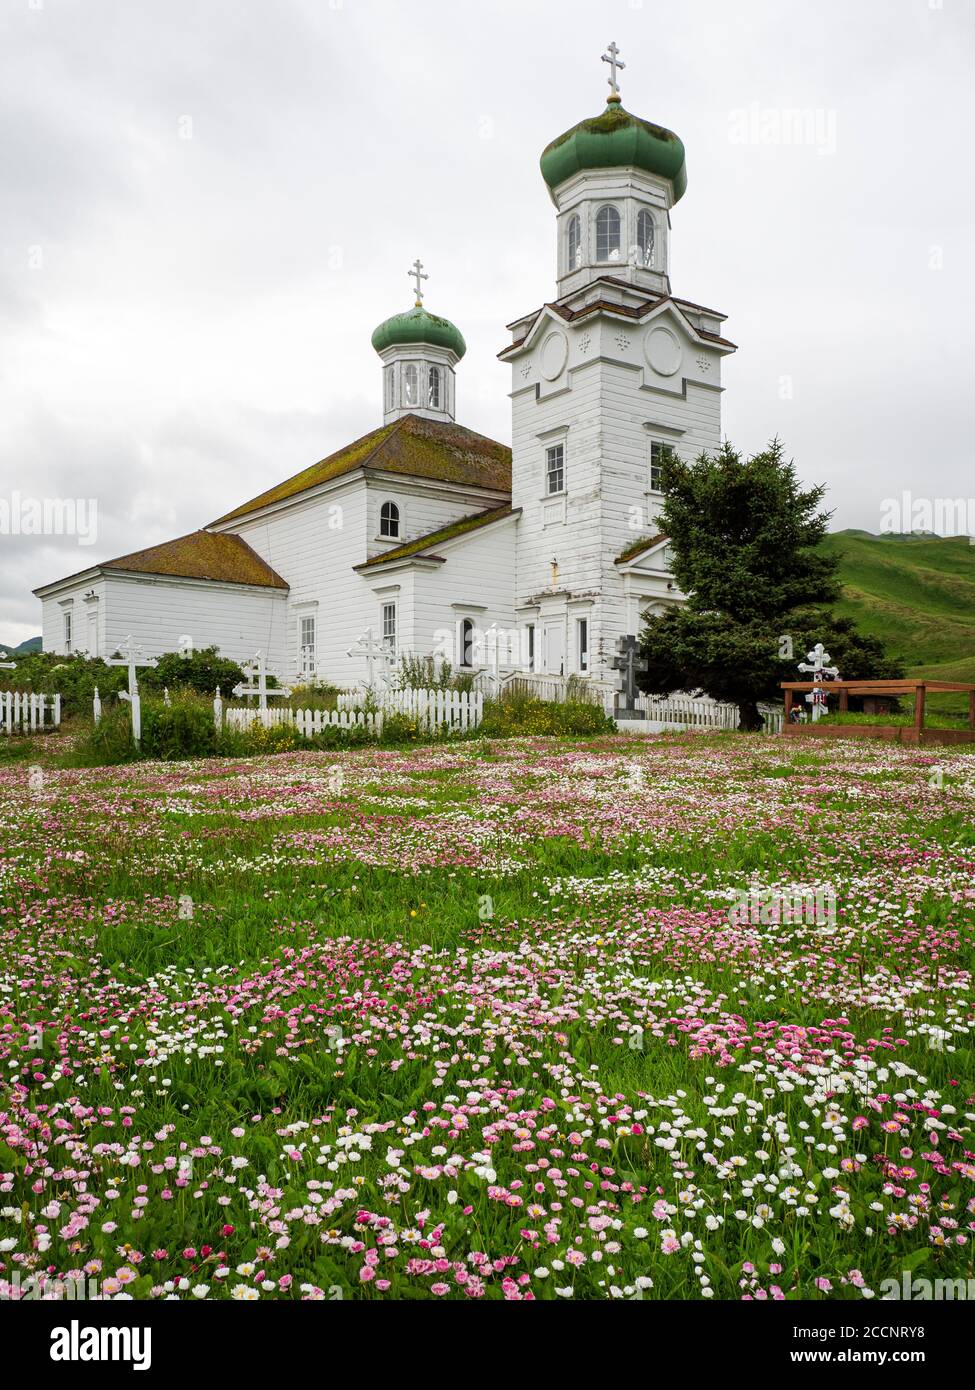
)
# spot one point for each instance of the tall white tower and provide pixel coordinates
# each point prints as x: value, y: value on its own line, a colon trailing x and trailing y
x: 605, y: 378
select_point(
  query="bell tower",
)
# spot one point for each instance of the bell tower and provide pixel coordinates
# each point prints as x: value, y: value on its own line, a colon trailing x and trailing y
x: 604, y: 380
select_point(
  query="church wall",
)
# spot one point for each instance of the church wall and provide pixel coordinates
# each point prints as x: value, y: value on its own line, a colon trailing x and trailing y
x: 422, y: 510
x: 159, y: 612
x: 475, y: 582
x: 314, y: 545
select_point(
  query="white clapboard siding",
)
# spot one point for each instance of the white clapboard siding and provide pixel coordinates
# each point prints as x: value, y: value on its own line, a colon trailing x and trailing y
x: 22, y: 711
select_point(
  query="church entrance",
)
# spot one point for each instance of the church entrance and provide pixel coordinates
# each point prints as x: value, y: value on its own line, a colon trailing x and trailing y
x: 554, y: 649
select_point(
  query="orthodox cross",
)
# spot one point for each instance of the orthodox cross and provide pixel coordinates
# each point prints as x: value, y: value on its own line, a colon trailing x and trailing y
x: 131, y: 656
x: 257, y: 673
x: 7, y: 665
x: 816, y: 664
x: 614, y: 63
x: 417, y: 274
x: 373, y: 650
x: 631, y: 664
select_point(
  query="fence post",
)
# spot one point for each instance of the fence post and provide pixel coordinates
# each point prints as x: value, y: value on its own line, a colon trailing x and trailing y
x: 218, y: 711
x: 97, y: 706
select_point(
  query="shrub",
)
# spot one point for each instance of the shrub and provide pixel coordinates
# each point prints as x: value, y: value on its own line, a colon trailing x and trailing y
x: 202, y: 671
x: 519, y: 714
x: 72, y: 677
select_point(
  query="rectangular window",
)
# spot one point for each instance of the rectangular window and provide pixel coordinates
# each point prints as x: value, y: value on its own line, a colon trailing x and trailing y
x: 582, y: 643
x: 555, y: 469
x: 306, y: 643
x: 531, y: 646
x: 389, y: 627
x: 67, y: 632
x: 657, y: 452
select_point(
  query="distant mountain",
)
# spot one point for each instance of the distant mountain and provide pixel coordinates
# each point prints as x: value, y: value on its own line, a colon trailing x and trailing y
x: 916, y: 593
x: 33, y: 644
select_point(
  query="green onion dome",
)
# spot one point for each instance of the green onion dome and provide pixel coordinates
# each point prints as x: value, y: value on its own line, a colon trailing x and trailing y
x: 418, y: 326
x: 614, y: 139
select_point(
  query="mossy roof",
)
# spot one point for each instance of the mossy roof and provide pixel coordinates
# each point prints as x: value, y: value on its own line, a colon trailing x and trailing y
x: 202, y: 555
x: 430, y: 541
x: 638, y: 547
x: 411, y: 446
x: 611, y: 140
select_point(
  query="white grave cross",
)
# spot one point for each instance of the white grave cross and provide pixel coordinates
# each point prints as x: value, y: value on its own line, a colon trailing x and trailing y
x: 6, y: 665
x: 373, y: 650
x: 257, y: 673
x: 816, y: 665
x: 131, y: 656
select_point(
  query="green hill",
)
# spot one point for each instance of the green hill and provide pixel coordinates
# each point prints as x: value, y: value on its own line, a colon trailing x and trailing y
x: 916, y: 593
x: 33, y: 644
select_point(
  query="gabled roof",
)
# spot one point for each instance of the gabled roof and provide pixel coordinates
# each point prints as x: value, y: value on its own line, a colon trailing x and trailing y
x: 411, y: 446
x: 223, y: 558
x: 424, y: 544
x: 638, y: 548
x: 629, y: 311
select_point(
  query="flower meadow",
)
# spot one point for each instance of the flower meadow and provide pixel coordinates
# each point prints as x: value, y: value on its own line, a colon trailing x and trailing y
x: 487, y: 1021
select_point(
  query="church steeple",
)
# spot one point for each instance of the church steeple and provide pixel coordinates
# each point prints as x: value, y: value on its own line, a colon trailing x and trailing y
x: 614, y: 179
x: 419, y: 352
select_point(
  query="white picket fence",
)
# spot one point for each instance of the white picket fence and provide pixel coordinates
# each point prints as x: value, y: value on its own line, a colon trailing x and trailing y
x: 23, y: 712
x: 307, y: 721
x: 431, y: 709
x: 685, y: 712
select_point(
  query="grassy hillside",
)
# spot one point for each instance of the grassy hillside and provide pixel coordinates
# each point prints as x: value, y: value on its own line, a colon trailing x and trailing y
x: 916, y: 593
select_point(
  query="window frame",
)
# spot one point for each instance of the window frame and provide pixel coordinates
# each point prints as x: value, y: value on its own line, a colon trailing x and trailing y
x: 389, y: 625
x: 307, y: 668
x: 573, y: 230
x: 651, y: 221
x: 609, y: 259
x: 582, y: 645
x: 466, y: 637
x: 411, y: 379
x: 386, y: 521
x: 435, y: 374
x: 557, y: 470
x: 663, y: 446
x: 68, y: 618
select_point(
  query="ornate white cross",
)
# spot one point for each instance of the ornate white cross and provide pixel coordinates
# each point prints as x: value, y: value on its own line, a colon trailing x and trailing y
x: 816, y: 665
x: 257, y: 673
x: 417, y: 274
x: 132, y: 657
x: 615, y: 63
x: 6, y: 665
x: 373, y: 650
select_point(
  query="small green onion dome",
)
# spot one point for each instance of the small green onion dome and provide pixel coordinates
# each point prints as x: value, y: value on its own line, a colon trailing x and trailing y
x: 418, y: 326
x: 614, y: 139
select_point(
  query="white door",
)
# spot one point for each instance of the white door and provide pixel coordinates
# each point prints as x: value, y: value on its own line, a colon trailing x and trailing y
x: 554, y: 648
x: 92, y: 634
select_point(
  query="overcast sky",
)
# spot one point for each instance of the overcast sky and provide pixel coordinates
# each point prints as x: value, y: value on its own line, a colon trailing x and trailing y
x: 208, y: 205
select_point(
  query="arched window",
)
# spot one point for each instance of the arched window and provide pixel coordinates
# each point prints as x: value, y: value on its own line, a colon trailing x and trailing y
x: 644, y: 239
x: 411, y: 384
x: 433, y: 388
x: 607, y: 234
x: 389, y: 519
x: 467, y: 642
x: 574, y: 239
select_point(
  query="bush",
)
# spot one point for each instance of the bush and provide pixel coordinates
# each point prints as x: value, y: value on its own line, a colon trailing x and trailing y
x: 202, y: 671
x: 517, y: 714
x: 72, y: 677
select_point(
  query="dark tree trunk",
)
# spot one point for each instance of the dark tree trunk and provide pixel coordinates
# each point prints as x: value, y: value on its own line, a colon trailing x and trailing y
x: 749, y: 719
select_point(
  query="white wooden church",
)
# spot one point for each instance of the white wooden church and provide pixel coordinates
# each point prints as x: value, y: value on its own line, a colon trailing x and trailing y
x: 429, y: 534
